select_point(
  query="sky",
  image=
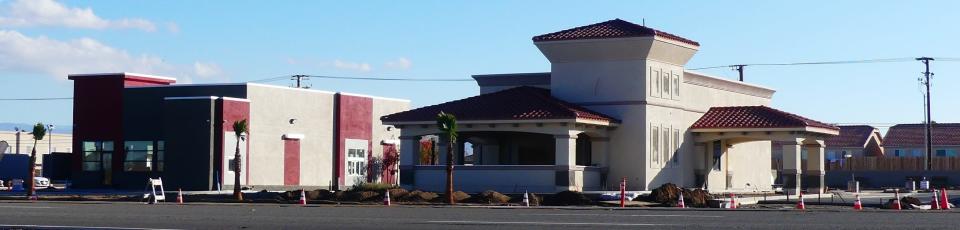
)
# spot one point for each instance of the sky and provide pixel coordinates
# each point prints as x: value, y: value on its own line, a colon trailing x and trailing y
x: 41, y: 41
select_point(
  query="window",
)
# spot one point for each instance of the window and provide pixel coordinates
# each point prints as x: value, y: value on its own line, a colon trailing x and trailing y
x: 717, y: 154
x: 656, y: 76
x: 916, y: 153
x: 676, y: 86
x: 159, y: 156
x: 675, y: 159
x: 97, y: 155
x: 946, y: 153
x: 139, y: 156
x: 666, y: 84
x: 654, y: 147
x: 666, y: 147
x: 898, y: 153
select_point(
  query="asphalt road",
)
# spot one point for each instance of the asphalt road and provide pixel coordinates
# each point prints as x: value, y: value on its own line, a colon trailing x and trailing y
x: 58, y: 215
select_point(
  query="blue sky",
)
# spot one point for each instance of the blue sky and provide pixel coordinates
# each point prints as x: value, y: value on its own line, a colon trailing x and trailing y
x: 235, y: 41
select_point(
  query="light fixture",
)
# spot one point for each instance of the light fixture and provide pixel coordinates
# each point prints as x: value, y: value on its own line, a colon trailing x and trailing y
x: 293, y: 120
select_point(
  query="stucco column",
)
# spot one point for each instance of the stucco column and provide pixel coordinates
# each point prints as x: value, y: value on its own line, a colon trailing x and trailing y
x: 409, y: 157
x: 791, y: 167
x: 815, y: 170
x: 702, y: 165
x: 566, y: 158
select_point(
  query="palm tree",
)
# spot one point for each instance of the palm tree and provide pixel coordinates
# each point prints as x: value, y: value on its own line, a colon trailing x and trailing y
x: 240, y: 129
x: 39, y: 131
x: 448, y: 125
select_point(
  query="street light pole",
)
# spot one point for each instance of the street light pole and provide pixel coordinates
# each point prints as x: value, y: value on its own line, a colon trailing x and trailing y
x: 18, y: 138
x: 50, y: 140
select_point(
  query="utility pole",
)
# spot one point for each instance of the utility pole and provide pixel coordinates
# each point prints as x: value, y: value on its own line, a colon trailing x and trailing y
x: 928, y: 160
x: 300, y: 79
x: 739, y: 69
x: 50, y: 140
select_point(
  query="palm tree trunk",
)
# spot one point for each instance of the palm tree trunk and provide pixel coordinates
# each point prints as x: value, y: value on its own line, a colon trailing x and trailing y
x: 236, y: 173
x: 450, y: 172
x: 31, y: 186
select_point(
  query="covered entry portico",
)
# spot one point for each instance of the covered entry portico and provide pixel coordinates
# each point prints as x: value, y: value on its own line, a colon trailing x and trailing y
x: 521, y: 139
x: 734, y: 146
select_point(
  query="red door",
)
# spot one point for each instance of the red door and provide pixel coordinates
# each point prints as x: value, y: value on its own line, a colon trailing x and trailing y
x: 291, y: 162
x: 390, y: 159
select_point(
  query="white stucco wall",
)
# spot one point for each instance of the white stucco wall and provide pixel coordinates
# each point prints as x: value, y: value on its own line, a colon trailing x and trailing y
x: 271, y: 109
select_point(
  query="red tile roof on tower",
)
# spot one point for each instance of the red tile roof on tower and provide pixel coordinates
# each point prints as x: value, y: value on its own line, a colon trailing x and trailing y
x: 520, y: 103
x: 914, y: 135
x: 615, y: 28
x: 749, y: 117
x: 851, y: 136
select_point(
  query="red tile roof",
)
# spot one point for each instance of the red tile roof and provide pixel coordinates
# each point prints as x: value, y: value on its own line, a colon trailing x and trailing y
x: 914, y: 134
x: 851, y: 136
x: 754, y: 117
x: 520, y: 103
x: 615, y: 28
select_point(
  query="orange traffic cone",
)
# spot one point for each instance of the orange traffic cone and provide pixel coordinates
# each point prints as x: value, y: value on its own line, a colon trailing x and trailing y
x: 733, y: 202
x: 680, y: 204
x: 944, y: 199
x: 303, y: 197
x: 179, y: 196
x: 800, y: 204
x: 386, y: 198
x: 935, y: 202
x: 856, y: 204
x: 896, y: 202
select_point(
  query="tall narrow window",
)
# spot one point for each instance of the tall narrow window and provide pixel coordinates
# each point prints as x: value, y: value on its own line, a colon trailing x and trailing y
x: 675, y: 159
x: 654, y: 143
x: 676, y: 86
x: 656, y: 75
x: 666, y: 147
x: 717, y: 154
x: 666, y: 84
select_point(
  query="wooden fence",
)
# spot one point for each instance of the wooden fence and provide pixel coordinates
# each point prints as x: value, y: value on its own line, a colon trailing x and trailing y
x: 885, y: 164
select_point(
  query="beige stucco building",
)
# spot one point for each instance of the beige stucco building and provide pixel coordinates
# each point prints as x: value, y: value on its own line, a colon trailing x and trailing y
x: 618, y: 104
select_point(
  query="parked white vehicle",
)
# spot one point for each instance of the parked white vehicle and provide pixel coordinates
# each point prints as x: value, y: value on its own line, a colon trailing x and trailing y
x: 41, y: 182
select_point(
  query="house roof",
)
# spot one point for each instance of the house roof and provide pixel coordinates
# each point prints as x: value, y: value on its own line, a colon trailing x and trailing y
x: 615, y: 28
x: 851, y: 136
x: 750, y: 117
x: 914, y: 134
x: 520, y: 103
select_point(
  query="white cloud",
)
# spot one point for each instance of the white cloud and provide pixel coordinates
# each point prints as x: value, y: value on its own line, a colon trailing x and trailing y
x: 42, y: 55
x: 354, y: 66
x: 400, y: 63
x: 27, y: 13
x: 206, y: 70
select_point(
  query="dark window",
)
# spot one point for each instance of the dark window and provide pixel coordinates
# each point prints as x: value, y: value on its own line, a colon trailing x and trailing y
x: 97, y: 155
x: 584, y: 148
x: 717, y: 154
x: 143, y: 156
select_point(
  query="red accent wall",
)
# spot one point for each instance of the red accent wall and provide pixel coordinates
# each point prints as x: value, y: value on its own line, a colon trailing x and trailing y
x: 291, y: 162
x: 354, y: 120
x: 230, y: 112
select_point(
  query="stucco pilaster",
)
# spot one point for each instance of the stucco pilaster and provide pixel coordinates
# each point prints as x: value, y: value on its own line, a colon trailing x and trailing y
x: 791, y: 167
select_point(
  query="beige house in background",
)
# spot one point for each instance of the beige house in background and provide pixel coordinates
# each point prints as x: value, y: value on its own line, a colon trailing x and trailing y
x: 617, y: 104
x: 61, y: 143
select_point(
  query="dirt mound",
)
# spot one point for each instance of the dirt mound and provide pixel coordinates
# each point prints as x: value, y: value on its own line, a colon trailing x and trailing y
x: 460, y: 196
x: 397, y: 193
x: 419, y: 196
x: 668, y: 195
x: 696, y: 198
x: 569, y: 198
x: 362, y: 196
x: 492, y: 197
x: 338, y: 196
x: 319, y: 194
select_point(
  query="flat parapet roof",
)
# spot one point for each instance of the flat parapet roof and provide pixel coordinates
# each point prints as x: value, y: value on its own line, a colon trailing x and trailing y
x: 508, y: 79
x: 139, y: 76
x: 702, y: 79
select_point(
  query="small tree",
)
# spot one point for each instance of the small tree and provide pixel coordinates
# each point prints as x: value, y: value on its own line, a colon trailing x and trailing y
x: 39, y: 131
x: 448, y: 125
x: 239, y: 129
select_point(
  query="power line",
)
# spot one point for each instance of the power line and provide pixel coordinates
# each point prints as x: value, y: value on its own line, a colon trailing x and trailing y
x: 865, y: 61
